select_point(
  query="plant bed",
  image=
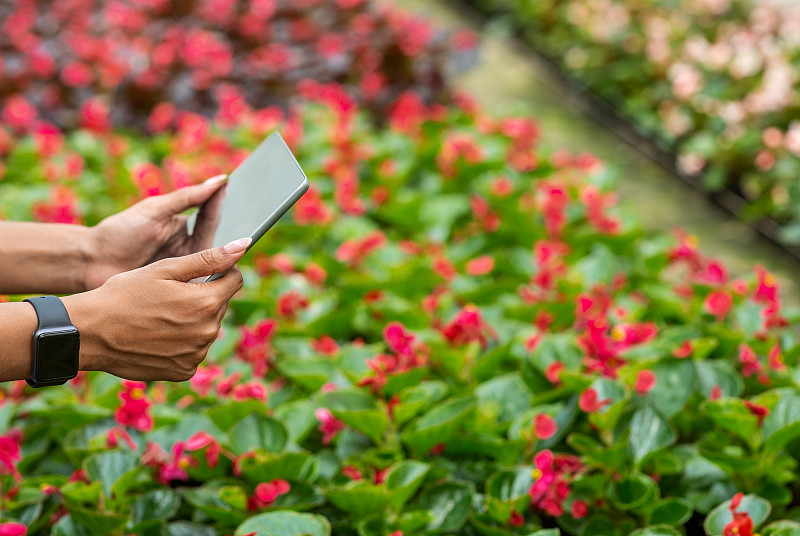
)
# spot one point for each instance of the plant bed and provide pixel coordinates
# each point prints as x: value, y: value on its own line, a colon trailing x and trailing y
x: 675, y: 88
x: 74, y: 63
x: 454, y: 332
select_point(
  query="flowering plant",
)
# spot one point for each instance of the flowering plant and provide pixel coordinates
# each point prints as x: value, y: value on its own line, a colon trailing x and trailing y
x: 75, y: 62
x: 454, y: 332
x: 716, y: 80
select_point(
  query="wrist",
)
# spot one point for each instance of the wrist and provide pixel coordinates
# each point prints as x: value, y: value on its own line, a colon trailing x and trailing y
x: 85, y: 314
x: 89, y: 247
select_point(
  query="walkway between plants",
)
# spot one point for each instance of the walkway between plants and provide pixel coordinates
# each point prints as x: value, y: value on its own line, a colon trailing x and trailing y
x: 510, y: 78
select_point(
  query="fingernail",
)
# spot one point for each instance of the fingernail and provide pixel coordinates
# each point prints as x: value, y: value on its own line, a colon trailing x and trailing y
x: 238, y: 245
x: 216, y: 179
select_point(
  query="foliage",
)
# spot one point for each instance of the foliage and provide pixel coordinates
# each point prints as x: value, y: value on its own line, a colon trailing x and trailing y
x: 454, y: 332
x: 81, y: 62
x: 717, y: 81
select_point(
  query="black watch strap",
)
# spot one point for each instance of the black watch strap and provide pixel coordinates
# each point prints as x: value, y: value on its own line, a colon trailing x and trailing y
x: 51, y: 312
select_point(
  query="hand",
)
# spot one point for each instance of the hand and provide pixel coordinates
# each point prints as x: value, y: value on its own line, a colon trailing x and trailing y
x: 150, y: 323
x: 153, y: 229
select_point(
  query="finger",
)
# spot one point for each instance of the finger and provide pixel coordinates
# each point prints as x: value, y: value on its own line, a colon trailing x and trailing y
x: 208, y: 220
x: 202, y: 263
x: 189, y: 196
x: 228, y: 285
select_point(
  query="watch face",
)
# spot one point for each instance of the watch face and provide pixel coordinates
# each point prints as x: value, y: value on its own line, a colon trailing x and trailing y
x: 57, y: 353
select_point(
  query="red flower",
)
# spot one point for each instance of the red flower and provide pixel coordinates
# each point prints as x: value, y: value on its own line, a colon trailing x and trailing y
x: 354, y: 251
x: 553, y: 371
x: 553, y: 474
x: 18, y: 113
x: 266, y: 493
x: 589, y: 403
x: 766, y: 286
x: 751, y: 364
x: 325, y: 345
x: 579, y: 509
x: 684, y: 351
x: 255, y: 345
x: 250, y: 391
x: 716, y: 393
x: 176, y: 466
x: 486, y: 218
x: 775, y: 359
x: 62, y: 207
x: 135, y: 408
x: 315, y: 273
x: 115, y: 434
x: 94, y: 116
x: 469, y: 326
x: 291, y: 303
x: 351, y: 472
x: 203, y: 379
x: 544, y: 426
x: 742, y: 524
x: 516, y: 519
x: 311, y: 209
x: 596, y: 204
x: 552, y: 199
x: 438, y: 449
x: 480, y: 266
x: 645, y: 381
x: 718, y: 303
x: 330, y: 426
x: 758, y: 410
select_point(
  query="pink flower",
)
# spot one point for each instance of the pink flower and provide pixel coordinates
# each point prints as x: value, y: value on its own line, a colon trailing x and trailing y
x: 684, y: 351
x: 544, y: 426
x: 176, y: 466
x: 18, y: 113
x: 311, y: 209
x: 330, y: 426
x: 10, y: 453
x: 94, y: 116
x: 480, y: 266
x: 775, y: 360
x: 469, y: 326
x: 354, y: 251
x: 115, y: 434
x: 204, y: 378
x: 351, y: 472
x: 553, y: 474
x: 750, y: 363
x: 250, y: 391
x: 13, y: 529
x: 266, y: 493
x: 325, y: 345
x: 718, y: 303
x: 255, y: 345
x: 201, y: 440
x: 758, y: 410
x: 135, y: 408
x: 62, y: 207
x: 291, y: 303
x: 553, y: 371
x: 645, y: 381
x: 589, y: 403
x: 516, y: 519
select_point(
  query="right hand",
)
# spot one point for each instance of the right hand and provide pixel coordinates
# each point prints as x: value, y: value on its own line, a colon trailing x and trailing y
x: 151, y: 323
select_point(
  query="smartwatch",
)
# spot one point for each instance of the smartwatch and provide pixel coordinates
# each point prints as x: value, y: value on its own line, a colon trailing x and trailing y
x: 56, y: 344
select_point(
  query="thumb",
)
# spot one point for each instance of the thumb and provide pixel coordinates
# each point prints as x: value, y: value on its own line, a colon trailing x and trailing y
x: 203, y: 263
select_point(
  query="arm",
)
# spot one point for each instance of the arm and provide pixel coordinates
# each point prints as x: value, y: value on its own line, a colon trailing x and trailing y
x: 180, y: 319
x: 42, y: 258
x: 39, y: 258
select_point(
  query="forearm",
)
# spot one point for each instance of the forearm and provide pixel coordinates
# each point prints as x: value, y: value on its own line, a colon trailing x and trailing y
x: 18, y: 321
x: 39, y: 258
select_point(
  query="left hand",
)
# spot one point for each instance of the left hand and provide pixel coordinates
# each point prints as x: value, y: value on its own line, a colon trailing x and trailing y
x: 154, y: 229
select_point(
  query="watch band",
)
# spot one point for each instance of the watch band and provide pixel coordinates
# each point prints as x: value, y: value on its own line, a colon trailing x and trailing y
x: 50, y: 310
x: 52, y: 314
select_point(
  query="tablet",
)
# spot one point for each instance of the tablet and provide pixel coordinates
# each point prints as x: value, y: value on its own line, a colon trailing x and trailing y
x: 261, y: 190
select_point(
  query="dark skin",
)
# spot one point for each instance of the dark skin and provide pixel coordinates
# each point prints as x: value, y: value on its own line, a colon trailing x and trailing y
x: 130, y: 274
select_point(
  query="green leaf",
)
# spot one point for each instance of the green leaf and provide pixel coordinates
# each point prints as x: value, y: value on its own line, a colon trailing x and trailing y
x: 228, y: 414
x: 657, y: 530
x: 732, y: 415
x: 508, y: 392
x: 284, y: 523
x: 96, y: 522
x: 670, y: 511
x: 758, y: 509
x: 404, y: 479
x: 675, y: 383
x: 309, y: 373
x: 185, y: 528
x: 258, y: 432
x: 649, y: 432
x: 287, y: 465
x: 712, y: 373
x: 109, y: 467
x: 451, y: 504
x: 298, y: 418
x: 510, y: 484
x: 66, y: 526
x: 783, y: 422
x: 359, y: 498
x: 215, y: 502
x: 414, y: 400
x: 358, y: 410
x: 781, y: 528
x: 632, y: 492
x: 438, y: 425
x: 156, y: 504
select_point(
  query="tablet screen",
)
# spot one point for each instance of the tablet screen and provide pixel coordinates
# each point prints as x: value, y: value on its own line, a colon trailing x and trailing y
x: 260, y: 191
